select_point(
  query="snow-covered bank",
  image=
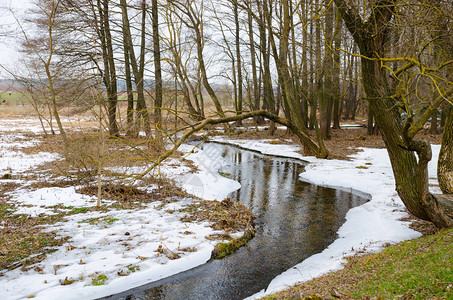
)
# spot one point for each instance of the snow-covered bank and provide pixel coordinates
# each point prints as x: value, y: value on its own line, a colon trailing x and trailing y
x: 117, y: 249
x: 123, y: 245
x: 368, y: 228
x: 206, y: 183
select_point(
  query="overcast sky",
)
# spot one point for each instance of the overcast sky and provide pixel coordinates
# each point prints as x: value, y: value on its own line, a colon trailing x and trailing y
x: 8, y: 46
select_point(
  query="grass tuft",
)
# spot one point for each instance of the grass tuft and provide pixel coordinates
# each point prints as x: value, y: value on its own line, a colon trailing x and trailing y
x: 98, y: 280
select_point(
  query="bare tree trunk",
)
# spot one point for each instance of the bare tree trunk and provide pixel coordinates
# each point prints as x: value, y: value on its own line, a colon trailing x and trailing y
x: 47, y: 66
x: 137, y: 70
x: 238, y: 60
x: 109, y: 66
x: 445, y: 162
x: 409, y: 157
x: 157, y: 64
x: 129, y: 89
x: 336, y: 72
x: 196, y: 24
x: 256, y: 87
x: 267, y: 79
x: 305, y: 87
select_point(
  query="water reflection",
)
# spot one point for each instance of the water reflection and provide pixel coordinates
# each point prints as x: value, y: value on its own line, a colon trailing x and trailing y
x: 294, y: 221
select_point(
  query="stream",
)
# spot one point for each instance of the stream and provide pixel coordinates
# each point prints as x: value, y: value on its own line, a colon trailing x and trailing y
x: 295, y: 220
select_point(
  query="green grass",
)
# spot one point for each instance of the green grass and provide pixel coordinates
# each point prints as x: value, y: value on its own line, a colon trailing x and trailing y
x: 7, y: 98
x: 79, y: 210
x: 134, y: 268
x: 99, y: 280
x: 416, y: 269
x: 94, y: 221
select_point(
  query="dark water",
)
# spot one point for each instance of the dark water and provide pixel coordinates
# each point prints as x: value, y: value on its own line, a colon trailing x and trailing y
x: 294, y: 221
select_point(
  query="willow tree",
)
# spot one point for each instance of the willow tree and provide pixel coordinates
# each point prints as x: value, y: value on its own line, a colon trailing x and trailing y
x: 409, y: 156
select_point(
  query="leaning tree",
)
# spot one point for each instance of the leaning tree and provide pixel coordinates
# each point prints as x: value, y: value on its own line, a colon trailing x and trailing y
x: 387, y: 90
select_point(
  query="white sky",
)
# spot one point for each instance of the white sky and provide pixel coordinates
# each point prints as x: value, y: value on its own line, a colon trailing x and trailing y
x: 8, y: 46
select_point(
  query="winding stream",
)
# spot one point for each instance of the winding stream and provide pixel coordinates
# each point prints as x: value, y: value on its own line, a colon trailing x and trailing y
x: 294, y: 221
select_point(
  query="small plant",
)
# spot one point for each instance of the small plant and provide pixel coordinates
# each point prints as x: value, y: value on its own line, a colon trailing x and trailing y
x: 91, y: 221
x: 133, y: 268
x: 95, y: 221
x: 99, y: 280
x: 225, y: 174
x: 110, y: 220
x: 130, y: 269
x: 7, y: 176
x: 67, y: 281
x: 79, y: 210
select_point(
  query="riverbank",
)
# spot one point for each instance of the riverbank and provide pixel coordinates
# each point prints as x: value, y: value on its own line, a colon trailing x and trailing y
x: 56, y: 244
x: 90, y: 252
x: 415, y: 269
x: 369, y: 228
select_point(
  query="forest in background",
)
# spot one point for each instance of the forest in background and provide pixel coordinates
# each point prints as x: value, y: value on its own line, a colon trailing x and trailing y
x: 183, y: 65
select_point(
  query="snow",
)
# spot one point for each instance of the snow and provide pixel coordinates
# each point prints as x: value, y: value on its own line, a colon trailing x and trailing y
x: 368, y: 228
x: 114, y: 242
x: 264, y: 146
x: 104, y: 248
x: 17, y: 162
x: 207, y: 183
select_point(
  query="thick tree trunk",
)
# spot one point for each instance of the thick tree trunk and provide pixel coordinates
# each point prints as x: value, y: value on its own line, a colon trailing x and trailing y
x: 409, y: 158
x: 305, y: 89
x: 445, y: 162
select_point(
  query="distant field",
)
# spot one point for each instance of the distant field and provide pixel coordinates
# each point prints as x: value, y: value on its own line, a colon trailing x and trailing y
x: 12, y: 98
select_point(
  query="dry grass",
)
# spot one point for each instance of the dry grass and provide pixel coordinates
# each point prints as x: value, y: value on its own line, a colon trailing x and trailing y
x: 227, y: 215
x: 22, y: 238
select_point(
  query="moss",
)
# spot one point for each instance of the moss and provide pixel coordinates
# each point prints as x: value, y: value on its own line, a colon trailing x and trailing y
x: 99, y: 280
x: 224, y: 249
